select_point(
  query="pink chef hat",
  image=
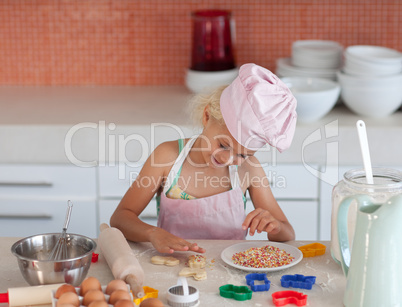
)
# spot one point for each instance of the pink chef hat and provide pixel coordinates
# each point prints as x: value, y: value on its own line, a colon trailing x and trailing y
x: 258, y: 108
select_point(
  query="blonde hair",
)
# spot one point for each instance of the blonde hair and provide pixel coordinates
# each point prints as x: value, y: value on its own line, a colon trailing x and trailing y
x: 199, y: 102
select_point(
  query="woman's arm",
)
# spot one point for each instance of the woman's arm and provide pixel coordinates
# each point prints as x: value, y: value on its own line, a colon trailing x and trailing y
x: 267, y: 216
x: 138, y: 196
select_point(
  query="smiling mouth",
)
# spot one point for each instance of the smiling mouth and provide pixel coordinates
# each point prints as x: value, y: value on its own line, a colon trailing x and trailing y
x: 217, y: 163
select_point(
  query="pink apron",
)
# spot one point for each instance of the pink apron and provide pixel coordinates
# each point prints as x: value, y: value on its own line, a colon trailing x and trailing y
x: 218, y: 216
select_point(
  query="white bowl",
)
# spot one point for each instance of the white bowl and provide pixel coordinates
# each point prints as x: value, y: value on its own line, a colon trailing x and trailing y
x: 372, y: 102
x: 315, y: 96
x: 369, y: 81
x: 371, y: 96
x: 318, y: 48
x: 286, y: 69
x: 361, y: 67
x: 316, y: 54
x: 202, y: 81
x: 302, y: 60
x: 375, y: 54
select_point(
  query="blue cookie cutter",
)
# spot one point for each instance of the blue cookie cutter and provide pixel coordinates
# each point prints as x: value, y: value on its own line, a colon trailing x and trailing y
x: 298, y: 281
x: 250, y: 278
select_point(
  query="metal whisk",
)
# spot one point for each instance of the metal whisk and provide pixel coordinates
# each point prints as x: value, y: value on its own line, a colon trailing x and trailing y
x: 59, y: 251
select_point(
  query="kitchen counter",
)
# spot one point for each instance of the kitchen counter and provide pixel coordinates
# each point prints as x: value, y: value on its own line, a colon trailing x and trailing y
x: 41, y: 125
x: 328, y: 290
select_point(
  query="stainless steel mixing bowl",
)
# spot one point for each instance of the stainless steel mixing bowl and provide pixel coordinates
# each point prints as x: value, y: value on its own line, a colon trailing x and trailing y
x: 33, y: 253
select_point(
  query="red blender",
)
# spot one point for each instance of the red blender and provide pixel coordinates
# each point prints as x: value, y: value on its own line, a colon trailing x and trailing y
x: 212, y: 57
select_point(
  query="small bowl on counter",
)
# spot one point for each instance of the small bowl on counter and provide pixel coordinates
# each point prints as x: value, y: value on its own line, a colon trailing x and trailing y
x: 371, y: 96
x: 375, y: 61
x: 374, y: 54
x: 33, y: 259
x: 204, y: 81
x: 285, y: 68
x: 315, y: 96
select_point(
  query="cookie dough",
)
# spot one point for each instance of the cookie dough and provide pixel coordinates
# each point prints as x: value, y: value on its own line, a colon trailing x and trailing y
x: 197, y: 261
x: 169, y: 261
x: 198, y: 274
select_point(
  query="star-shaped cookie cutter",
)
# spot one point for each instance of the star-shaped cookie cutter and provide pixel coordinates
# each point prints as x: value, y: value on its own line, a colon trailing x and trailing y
x: 298, y: 281
x: 313, y: 249
x: 282, y: 298
x: 149, y: 292
x: 251, y: 278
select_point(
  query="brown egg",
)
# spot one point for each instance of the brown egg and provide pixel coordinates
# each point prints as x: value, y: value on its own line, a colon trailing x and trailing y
x: 93, y: 295
x: 63, y: 289
x: 116, y: 284
x: 119, y: 295
x: 68, y: 298
x: 124, y: 303
x: 98, y: 304
x: 90, y: 283
x: 151, y: 302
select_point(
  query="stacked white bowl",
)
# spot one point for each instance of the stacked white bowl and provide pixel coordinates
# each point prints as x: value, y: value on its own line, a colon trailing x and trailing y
x: 204, y: 81
x: 312, y: 58
x: 371, y: 80
x: 372, y: 61
x: 315, y: 96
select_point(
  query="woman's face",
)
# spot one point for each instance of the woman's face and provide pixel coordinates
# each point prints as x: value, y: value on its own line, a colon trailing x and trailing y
x: 219, y: 148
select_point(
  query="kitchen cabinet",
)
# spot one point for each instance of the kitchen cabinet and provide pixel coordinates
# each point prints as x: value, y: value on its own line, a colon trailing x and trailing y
x: 26, y: 217
x: 326, y: 201
x: 298, y: 198
x: 114, y: 181
x: 45, y: 142
x: 107, y: 207
x: 33, y: 199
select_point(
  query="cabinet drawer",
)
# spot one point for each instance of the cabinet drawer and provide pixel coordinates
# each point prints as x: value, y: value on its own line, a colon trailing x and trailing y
x: 47, y: 181
x: 21, y: 218
x: 302, y: 215
x: 114, y: 181
x: 292, y: 181
x: 107, y: 207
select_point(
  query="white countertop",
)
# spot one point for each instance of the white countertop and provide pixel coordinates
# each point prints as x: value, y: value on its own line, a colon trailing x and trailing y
x: 35, y: 121
x: 327, y: 291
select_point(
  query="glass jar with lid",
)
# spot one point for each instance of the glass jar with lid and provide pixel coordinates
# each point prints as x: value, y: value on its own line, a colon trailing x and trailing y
x: 387, y: 183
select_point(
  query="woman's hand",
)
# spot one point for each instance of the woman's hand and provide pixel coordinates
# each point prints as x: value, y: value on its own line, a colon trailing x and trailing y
x: 165, y: 242
x: 261, y: 220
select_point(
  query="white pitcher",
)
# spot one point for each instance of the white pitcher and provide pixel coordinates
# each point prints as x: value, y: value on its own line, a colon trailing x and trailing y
x: 387, y: 183
x: 374, y: 268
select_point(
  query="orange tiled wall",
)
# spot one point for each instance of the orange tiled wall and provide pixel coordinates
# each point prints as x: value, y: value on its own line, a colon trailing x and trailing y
x: 147, y: 42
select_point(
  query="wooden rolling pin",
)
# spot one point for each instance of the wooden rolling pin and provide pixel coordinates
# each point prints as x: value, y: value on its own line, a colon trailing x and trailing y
x: 121, y: 259
x: 34, y: 295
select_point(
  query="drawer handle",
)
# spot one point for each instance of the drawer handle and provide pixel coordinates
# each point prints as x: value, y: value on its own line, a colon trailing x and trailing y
x: 26, y: 184
x: 26, y: 216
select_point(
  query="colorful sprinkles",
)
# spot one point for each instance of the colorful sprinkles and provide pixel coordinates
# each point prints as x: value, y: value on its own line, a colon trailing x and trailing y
x: 262, y: 257
x: 198, y: 258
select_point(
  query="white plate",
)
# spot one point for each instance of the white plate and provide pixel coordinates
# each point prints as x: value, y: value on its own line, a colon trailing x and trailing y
x: 228, y: 252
